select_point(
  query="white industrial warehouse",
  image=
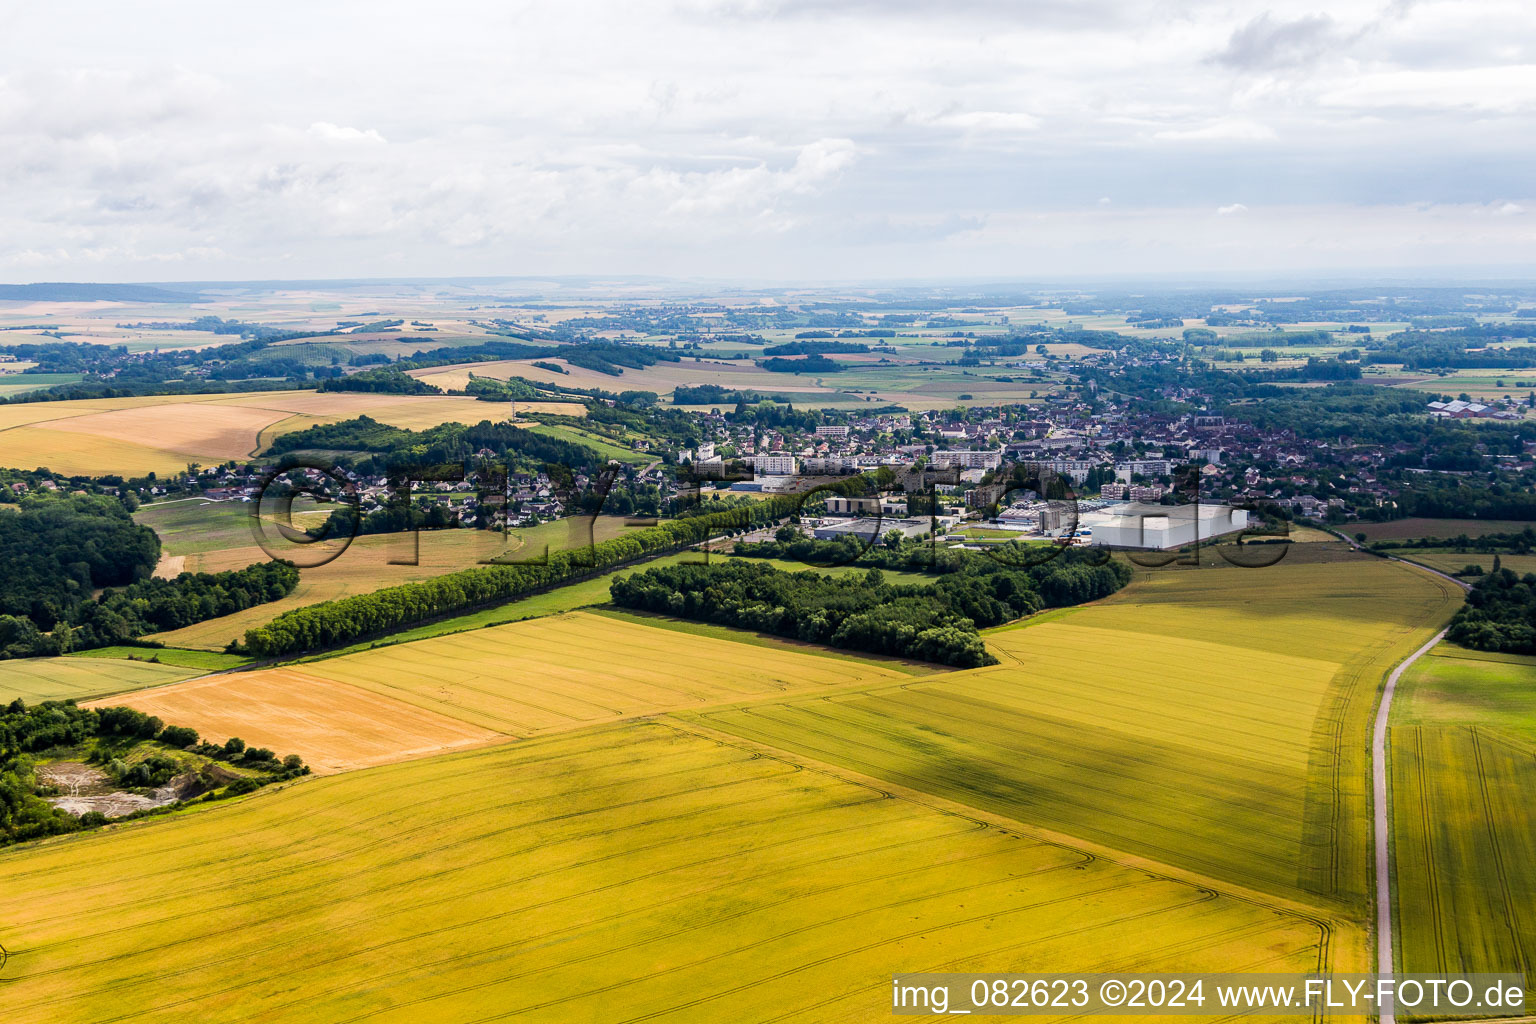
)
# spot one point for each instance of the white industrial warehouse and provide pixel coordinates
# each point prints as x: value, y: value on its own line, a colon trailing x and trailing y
x: 1137, y: 525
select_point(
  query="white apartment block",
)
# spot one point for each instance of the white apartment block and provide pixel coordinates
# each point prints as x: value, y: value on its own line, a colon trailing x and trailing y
x: 773, y: 465
x: 968, y: 459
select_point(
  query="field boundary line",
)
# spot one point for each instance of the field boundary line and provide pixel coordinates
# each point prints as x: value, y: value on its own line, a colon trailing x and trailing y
x: 1322, y: 916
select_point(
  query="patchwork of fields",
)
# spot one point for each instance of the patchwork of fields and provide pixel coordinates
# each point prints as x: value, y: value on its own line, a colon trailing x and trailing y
x: 607, y: 875
x: 578, y: 669
x: 1172, y: 721
x: 1463, y: 749
x: 134, y: 436
x: 679, y: 823
x: 217, y: 537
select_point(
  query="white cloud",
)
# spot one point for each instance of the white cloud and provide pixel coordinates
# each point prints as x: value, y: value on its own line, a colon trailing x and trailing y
x: 749, y: 136
x: 1231, y: 208
x: 336, y: 133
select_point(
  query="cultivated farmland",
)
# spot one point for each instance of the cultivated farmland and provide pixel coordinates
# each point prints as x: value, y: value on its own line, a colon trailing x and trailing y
x: 1412, y: 529
x: 608, y: 875
x: 333, y: 726
x: 1173, y: 721
x: 370, y: 563
x: 581, y: 669
x: 134, y: 436
x: 1463, y: 747
x: 39, y: 679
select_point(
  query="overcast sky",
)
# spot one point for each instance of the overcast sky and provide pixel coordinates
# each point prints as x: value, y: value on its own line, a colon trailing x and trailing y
x: 769, y: 139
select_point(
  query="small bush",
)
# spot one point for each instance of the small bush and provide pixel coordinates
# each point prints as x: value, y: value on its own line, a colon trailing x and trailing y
x: 179, y: 736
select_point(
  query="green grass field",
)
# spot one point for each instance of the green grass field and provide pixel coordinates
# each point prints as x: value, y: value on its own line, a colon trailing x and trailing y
x: 205, y: 661
x: 1450, y: 561
x: 12, y: 384
x: 609, y: 875
x: 192, y: 526
x: 1463, y: 747
x: 604, y: 446
x: 39, y: 679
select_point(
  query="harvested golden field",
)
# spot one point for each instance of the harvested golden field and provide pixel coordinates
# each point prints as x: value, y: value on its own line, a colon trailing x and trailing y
x: 39, y: 679
x: 333, y: 726
x: 620, y: 874
x: 578, y: 669
x: 208, y: 430
x: 1174, y: 721
x: 161, y: 435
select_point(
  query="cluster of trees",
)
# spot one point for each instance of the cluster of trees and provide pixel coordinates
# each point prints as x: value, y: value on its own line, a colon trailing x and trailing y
x: 398, y: 447
x: 810, y: 364
x: 811, y: 348
x: 711, y: 394
x: 1066, y: 576
x: 156, y: 605
x: 1469, y: 347
x: 1500, y: 614
x: 350, y: 618
x: 931, y: 622
x: 111, y: 734
x: 489, y: 389
x: 386, y: 380
x: 59, y: 551
x: 1314, y: 369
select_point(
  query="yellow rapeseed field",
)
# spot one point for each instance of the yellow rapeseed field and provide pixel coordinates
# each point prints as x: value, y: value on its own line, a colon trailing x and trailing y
x: 580, y: 669
x: 1174, y: 722
x: 616, y: 874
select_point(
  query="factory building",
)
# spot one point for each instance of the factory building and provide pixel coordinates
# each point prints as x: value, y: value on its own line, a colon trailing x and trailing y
x: 1161, y: 527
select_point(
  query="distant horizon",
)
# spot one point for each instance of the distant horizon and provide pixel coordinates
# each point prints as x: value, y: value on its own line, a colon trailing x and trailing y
x: 1415, y: 277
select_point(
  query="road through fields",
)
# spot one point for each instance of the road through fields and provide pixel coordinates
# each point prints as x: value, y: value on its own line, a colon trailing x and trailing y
x: 1383, y: 837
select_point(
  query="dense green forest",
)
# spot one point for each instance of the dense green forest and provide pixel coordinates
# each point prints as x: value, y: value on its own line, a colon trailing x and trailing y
x: 1500, y: 614
x: 59, y: 551
x: 811, y: 348
x: 931, y: 622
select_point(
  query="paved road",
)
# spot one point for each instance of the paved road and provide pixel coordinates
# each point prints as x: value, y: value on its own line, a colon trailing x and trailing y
x: 1382, y: 825
x: 1383, y: 837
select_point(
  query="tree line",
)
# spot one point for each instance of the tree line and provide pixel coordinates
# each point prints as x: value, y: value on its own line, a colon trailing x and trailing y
x: 346, y: 619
